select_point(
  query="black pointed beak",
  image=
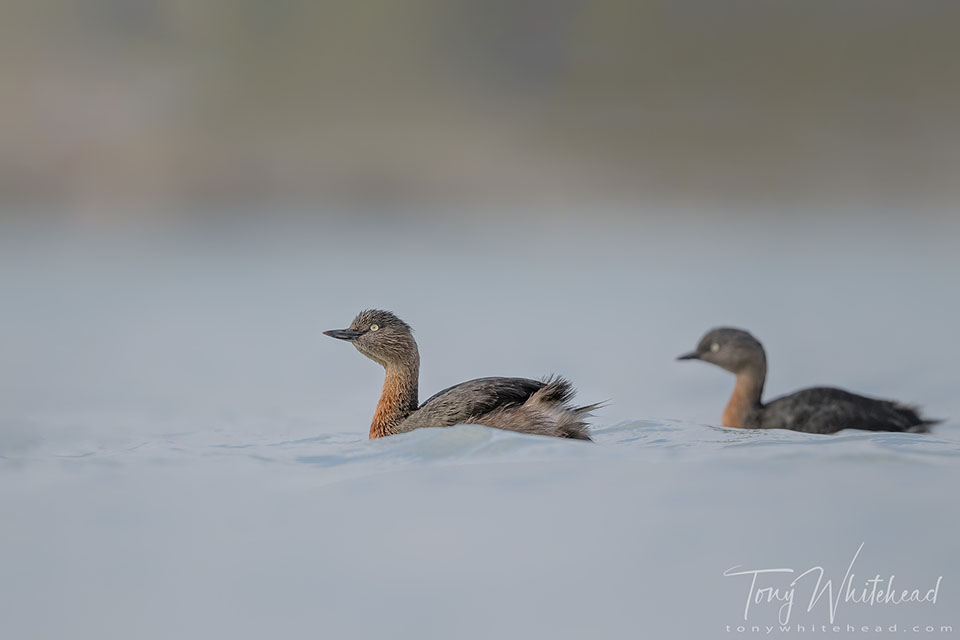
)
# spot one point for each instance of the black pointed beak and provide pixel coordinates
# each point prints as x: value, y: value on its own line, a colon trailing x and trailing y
x: 693, y: 355
x: 343, y: 334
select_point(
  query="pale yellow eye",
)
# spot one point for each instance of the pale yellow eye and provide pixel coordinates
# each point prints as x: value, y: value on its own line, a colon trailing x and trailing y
x: 374, y: 327
x: 715, y: 347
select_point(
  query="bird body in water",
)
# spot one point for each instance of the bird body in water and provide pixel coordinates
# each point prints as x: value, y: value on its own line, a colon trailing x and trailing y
x: 815, y: 410
x: 516, y: 404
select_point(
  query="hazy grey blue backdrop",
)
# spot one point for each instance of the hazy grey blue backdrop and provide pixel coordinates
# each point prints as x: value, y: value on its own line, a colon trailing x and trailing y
x: 177, y: 105
x: 191, y: 192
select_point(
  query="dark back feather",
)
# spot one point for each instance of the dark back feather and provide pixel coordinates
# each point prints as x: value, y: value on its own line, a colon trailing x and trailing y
x: 828, y: 410
x: 514, y: 404
x: 473, y: 398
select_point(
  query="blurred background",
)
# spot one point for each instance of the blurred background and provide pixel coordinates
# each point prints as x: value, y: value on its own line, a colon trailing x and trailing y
x: 118, y: 108
x: 191, y: 192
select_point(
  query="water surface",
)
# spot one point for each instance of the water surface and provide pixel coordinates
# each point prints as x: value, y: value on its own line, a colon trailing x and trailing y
x: 183, y: 454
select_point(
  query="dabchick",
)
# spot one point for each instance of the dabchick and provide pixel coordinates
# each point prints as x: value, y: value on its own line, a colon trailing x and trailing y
x: 815, y: 410
x: 516, y: 404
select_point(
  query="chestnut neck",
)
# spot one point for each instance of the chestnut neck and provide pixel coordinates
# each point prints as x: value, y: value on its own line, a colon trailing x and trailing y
x: 746, y: 396
x: 399, y: 397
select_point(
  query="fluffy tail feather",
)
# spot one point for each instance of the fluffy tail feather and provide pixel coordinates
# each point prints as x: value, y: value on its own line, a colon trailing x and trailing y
x: 916, y: 422
x: 555, y: 398
x: 924, y: 425
x: 546, y: 412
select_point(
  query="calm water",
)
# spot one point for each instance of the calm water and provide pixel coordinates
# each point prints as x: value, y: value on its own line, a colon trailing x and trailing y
x: 183, y: 454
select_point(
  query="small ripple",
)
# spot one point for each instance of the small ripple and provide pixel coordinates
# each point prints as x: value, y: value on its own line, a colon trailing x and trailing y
x: 337, y: 455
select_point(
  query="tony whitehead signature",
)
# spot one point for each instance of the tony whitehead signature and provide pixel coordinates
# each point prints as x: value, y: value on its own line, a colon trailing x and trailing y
x: 875, y: 591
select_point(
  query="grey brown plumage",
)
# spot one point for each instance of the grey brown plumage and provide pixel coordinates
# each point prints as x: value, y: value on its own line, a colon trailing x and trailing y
x: 815, y: 410
x: 825, y: 409
x: 541, y: 407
